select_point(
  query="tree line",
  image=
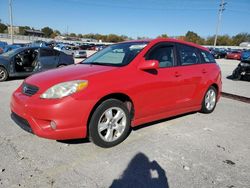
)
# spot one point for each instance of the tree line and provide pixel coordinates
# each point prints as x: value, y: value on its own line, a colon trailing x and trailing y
x: 190, y: 36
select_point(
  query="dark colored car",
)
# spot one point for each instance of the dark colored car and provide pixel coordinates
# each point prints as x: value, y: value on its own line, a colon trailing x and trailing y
x: 219, y: 53
x: 28, y: 60
x: 243, y: 68
x: 87, y: 47
x: 2, y: 45
x: 10, y: 47
x: 122, y: 86
x: 245, y: 56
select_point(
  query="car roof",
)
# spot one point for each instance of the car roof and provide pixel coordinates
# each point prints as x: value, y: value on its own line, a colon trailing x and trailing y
x: 169, y: 40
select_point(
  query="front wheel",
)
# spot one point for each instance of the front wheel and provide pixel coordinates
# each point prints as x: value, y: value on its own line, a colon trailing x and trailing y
x: 3, y: 74
x: 109, y: 124
x: 209, y: 100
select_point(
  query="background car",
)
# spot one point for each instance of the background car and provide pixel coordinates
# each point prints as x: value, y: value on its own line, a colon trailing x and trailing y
x: 245, y: 56
x: 28, y: 60
x: 219, y: 53
x: 71, y: 50
x: 10, y: 47
x: 2, y: 45
x: 234, y: 54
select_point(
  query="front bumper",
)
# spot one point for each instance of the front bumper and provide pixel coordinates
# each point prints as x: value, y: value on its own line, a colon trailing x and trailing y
x: 35, y: 115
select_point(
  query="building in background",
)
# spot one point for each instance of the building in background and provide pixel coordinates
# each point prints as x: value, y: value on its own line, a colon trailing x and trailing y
x: 16, y: 30
x: 32, y: 32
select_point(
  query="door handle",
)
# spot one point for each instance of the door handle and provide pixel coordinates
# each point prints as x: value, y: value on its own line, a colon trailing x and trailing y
x: 204, y: 71
x: 177, y: 74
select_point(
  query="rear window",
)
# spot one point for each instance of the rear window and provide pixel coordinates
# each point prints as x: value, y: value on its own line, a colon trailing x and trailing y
x: 188, y: 55
x: 208, y: 57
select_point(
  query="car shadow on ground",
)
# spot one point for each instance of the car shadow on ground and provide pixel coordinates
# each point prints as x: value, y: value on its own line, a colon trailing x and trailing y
x: 141, y: 172
x: 75, y: 141
x: 244, y: 78
x: 86, y: 140
x: 161, y: 121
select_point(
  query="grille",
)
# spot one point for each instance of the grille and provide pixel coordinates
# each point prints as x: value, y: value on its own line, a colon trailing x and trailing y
x: 23, y: 123
x: 29, y: 89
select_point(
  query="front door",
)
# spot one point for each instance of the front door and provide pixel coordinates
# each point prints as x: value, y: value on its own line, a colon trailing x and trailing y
x: 48, y: 59
x: 161, y: 89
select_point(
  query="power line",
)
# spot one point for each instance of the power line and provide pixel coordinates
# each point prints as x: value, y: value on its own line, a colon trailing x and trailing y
x: 221, y: 9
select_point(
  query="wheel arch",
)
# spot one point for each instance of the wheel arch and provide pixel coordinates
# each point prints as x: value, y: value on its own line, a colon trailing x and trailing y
x: 7, y: 71
x: 119, y: 96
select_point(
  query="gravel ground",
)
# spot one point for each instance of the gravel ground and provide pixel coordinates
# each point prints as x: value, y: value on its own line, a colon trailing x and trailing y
x: 193, y: 150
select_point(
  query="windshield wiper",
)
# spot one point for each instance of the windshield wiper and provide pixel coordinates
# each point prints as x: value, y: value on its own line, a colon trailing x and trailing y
x: 99, y: 63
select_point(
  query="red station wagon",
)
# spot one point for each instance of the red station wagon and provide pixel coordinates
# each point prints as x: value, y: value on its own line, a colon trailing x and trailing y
x: 122, y: 86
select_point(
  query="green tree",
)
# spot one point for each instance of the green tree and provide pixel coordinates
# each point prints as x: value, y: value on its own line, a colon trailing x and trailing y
x: 3, y: 28
x: 163, y: 36
x: 210, y: 40
x: 72, y: 35
x: 47, y: 31
x: 239, y: 38
x: 22, y: 29
x: 194, y: 37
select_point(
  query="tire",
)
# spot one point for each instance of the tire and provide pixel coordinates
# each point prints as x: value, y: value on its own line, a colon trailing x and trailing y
x: 60, y: 66
x: 104, y: 126
x: 209, y: 100
x: 3, y: 74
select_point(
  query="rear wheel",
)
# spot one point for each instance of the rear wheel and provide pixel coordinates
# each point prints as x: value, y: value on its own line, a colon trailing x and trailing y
x: 209, y: 100
x: 109, y: 124
x: 3, y: 74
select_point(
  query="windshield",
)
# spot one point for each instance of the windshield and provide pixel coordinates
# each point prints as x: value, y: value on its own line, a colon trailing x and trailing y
x: 117, y: 54
x: 10, y: 53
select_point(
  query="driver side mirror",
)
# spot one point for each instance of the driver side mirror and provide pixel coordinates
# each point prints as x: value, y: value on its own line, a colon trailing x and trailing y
x: 149, y: 65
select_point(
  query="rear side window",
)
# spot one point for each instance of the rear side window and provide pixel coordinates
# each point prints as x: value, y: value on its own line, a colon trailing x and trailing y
x: 188, y: 55
x: 164, y: 54
x: 46, y: 52
x: 208, y: 57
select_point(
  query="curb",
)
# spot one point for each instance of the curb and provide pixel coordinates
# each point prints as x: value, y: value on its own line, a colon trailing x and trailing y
x: 235, y: 97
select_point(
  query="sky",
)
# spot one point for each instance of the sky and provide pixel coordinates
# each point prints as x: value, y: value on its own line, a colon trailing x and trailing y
x: 133, y: 18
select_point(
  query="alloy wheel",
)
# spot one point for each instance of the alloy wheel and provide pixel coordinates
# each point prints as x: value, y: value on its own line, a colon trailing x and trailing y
x: 112, y: 124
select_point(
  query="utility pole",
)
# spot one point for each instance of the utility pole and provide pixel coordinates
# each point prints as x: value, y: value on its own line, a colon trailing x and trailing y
x: 221, y: 9
x: 11, y: 21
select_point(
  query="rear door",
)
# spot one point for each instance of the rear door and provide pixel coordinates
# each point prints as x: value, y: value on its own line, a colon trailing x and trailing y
x: 191, y: 76
x: 48, y: 58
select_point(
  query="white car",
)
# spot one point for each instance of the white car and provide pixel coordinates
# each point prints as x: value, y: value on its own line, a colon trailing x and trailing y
x: 72, y: 50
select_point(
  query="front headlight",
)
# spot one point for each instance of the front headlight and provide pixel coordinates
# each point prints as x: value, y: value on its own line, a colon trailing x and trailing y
x: 64, y: 89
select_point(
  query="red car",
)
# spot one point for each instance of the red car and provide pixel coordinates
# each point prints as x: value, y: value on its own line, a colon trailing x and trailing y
x: 234, y: 55
x: 122, y: 86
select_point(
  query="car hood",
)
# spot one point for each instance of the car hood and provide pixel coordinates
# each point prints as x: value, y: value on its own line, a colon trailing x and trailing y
x: 49, y: 78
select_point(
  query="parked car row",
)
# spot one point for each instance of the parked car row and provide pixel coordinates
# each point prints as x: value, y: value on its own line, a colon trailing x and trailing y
x: 227, y: 53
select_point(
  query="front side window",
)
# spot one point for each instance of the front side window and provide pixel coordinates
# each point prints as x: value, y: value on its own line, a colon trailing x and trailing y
x: 188, y: 55
x: 116, y: 55
x: 164, y: 54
